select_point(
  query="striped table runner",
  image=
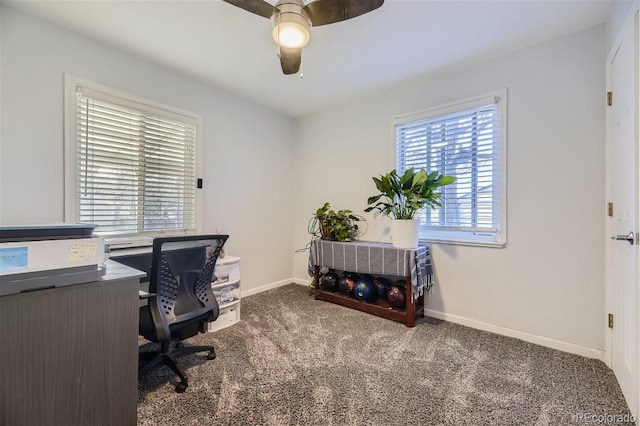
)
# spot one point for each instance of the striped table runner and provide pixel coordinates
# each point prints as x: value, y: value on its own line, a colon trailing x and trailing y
x: 376, y: 258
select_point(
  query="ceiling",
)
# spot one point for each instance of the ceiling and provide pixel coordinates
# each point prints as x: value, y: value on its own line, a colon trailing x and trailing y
x: 221, y: 44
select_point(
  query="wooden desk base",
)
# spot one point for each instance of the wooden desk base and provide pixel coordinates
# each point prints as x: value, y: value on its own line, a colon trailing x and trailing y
x: 70, y: 355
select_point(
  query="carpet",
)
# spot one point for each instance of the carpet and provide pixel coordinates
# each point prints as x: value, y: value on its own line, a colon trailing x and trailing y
x: 293, y: 360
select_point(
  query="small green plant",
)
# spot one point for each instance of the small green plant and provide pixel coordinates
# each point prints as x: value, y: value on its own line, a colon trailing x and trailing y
x: 402, y: 196
x: 336, y: 226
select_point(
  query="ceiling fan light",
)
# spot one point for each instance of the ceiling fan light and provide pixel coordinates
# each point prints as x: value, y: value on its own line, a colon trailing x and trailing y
x: 290, y: 34
x: 291, y: 29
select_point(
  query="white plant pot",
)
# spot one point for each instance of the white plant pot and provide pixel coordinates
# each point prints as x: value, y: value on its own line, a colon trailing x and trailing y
x: 404, y: 233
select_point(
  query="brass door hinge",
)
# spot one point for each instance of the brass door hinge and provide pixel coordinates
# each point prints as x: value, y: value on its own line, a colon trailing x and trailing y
x: 610, y: 320
x: 610, y: 209
x: 609, y: 98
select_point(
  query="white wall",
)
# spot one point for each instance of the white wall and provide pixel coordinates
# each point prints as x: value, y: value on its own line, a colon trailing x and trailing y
x: 549, y: 280
x: 619, y: 13
x: 247, y: 148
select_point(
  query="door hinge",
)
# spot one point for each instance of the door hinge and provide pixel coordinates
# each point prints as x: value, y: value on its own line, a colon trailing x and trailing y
x: 610, y: 320
x: 610, y: 209
x: 609, y: 98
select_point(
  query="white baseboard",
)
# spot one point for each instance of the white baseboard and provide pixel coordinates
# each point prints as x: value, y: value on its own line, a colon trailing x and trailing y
x: 267, y: 287
x: 522, y: 335
x: 306, y: 283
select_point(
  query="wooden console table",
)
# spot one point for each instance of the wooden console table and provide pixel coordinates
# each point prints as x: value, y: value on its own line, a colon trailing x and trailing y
x: 380, y: 259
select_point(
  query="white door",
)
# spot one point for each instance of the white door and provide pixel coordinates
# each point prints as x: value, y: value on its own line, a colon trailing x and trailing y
x: 623, y: 252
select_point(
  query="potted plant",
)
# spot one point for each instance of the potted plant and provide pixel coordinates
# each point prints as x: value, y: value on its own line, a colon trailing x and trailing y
x: 402, y: 196
x: 336, y: 226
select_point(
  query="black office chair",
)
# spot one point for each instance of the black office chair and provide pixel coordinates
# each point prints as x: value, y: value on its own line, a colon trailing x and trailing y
x: 181, y: 300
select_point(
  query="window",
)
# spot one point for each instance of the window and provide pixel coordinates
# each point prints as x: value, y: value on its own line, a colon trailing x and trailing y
x: 131, y: 165
x: 467, y: 140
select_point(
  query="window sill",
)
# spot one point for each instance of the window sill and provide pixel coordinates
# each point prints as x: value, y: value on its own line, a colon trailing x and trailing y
x: 490, y: 244
x: 139, y: 240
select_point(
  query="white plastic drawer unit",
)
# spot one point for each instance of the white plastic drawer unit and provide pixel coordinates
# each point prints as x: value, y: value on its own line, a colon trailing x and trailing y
x: 226, y: 290
x: 227, y: 317
x: 227, y: 270
x: 226, y: 293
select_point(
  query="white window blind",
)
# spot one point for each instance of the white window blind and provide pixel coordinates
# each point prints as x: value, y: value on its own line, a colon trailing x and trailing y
x: 463, y: 140
x: 135, y: 166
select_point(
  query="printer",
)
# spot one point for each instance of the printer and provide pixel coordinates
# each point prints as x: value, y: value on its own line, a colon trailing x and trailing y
x: 35, y: 257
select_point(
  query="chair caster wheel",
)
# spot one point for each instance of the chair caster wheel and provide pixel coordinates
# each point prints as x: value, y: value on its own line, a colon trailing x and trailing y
x: 212, y: 355
x: 181, y: 387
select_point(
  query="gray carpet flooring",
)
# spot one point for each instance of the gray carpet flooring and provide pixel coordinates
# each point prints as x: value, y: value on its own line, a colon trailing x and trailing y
x: 293, y: 360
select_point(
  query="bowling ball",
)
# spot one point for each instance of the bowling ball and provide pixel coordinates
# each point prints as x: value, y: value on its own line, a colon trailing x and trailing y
x: 364, y: 290
x: 346, y: 284
x: 395, y: 296
x: 351, y: 275
x: 382, y: 286
x: 329, y: 281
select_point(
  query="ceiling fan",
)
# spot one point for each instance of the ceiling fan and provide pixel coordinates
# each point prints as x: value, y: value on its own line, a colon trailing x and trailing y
x: 291, y: 20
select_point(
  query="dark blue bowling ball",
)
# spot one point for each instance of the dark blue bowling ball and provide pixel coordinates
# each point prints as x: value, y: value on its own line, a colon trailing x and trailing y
x: 364, y: 290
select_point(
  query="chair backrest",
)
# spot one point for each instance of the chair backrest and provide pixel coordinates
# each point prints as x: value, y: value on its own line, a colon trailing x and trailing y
x: 181, y: 274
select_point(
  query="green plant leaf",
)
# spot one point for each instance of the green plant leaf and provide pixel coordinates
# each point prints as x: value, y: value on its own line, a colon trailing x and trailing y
x: 373, y: 199
x: 406, y: 180
x: 336, y: 225
x: 402, y: 196
x: 446, y: 180
x: 419, y: 179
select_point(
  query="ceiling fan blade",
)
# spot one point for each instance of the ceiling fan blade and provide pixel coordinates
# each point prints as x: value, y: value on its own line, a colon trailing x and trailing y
x: 323, y: 12
x: 259, y: 7
x: 290, y: 59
